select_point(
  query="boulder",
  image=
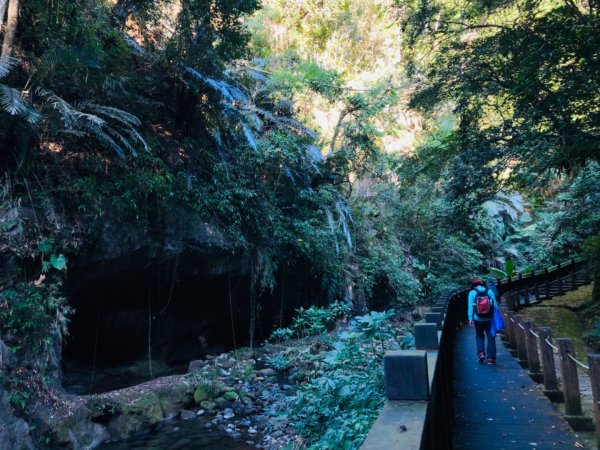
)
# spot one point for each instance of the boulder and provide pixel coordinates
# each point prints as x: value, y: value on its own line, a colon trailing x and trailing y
x: 14, y: 432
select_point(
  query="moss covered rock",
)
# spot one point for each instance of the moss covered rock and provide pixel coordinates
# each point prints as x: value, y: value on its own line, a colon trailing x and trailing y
x: 231, y: 395
x: 208, y: 405
x: 208, y: 391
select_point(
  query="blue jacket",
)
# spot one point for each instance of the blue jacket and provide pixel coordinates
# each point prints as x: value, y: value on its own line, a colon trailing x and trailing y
x: 471, y: 299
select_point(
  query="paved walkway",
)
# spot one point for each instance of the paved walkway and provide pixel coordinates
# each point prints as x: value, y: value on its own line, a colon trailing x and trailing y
x: 500, y: 407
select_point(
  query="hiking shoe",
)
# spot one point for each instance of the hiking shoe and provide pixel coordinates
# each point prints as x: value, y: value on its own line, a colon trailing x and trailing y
x: 481, y: 358
x: 491, y: 361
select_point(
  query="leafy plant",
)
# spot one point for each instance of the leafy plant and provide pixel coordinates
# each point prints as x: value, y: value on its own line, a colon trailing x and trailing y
x: 342, y: 388
x: 12, y: 100
x: 509, y: 269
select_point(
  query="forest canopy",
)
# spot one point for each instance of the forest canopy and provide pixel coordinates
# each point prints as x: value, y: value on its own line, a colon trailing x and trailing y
x: 391, y: 148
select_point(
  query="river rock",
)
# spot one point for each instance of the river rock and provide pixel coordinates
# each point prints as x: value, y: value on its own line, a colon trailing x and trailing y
x: 221, y: 403
x: 207, y: 405
x: 196, y: 366
x: 187, y: 414
x: 268, y: 372
x: 7, y: 358
x: 249, y: 410
x: 14, y: 432
x: 208, y: 391
x: 231, y: 395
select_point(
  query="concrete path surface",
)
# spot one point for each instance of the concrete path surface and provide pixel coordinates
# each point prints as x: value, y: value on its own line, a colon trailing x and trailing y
x: 500, y: 407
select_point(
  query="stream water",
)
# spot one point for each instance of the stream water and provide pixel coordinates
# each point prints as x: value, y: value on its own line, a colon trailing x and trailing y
x: 196, y: 434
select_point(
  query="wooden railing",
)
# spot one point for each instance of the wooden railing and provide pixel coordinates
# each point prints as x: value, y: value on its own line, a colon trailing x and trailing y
x: 418, y: 414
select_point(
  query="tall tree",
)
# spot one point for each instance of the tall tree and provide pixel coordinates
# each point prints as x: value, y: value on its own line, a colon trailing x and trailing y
x: 3, y: 6
x: 11, y: 27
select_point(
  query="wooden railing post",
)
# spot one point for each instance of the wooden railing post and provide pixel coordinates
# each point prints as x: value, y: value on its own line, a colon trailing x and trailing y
x: 504, y: 311
x: 547, y: 286
x: 526, y: 293
x: 520, y: 290
x: 573, y: 277
x: 533, y: 358
x: 548, y: 366
x: 594, y: 363
x: 570, y: 379
x: 536, y: 290
x: 559, y: 281
x: 521, y: 343
x: 510, y: 328
x: 586, y: 274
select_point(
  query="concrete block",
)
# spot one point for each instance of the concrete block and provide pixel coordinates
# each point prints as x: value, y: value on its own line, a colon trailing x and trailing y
x: 438, y: 309
x: 426, y: 336
x: 580, y: 423
x: 406, y: 376
x: 433, y: 317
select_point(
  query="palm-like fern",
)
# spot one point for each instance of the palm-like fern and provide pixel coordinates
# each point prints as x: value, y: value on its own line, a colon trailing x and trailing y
x: 12, y: 100
x: 239, y: 108
x: 111, y: 127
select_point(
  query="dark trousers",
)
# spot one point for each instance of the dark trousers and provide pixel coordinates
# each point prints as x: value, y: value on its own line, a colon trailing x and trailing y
x: 482, y: 327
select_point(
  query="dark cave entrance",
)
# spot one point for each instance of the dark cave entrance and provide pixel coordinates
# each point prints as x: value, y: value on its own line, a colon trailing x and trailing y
x: 170, y: 314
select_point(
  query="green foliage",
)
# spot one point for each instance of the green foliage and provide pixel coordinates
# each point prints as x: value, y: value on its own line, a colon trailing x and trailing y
x: 278, y: 362
x: 537, y: 108
x: 311, y: 321
x: 32, y: 313
x: 509, y: 270
x: 344, y: 392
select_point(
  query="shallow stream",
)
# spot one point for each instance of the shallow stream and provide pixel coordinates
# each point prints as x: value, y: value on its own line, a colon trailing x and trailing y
x: 195, y: 434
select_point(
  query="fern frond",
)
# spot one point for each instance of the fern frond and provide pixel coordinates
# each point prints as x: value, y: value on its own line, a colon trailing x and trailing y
x: 227, y: 91
x: 67, y: 113
x: 136, y: 136
x: 252, y: 119
x: 119, y: 115
x: 216, y: 135
x: 119, y: 138
x: 12, y: 102
x: 7, y: 63
x: 111, y: 127
x: 250, y: 139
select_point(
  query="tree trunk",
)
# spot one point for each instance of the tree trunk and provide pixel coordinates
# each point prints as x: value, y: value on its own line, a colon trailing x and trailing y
x: 11, y: 27
x: 3, y: 5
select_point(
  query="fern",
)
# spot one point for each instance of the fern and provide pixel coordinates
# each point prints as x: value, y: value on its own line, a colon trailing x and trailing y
x: 6, y: 65
x: 111, y: 127
x: 11, y: 101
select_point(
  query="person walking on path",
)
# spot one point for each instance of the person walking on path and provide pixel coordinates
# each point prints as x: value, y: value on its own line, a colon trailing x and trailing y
x: 481, y: 304
x: 491, y: 285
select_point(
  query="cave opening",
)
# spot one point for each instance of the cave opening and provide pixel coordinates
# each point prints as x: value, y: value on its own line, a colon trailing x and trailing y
x: 145, y: 323
x: 130, y: 327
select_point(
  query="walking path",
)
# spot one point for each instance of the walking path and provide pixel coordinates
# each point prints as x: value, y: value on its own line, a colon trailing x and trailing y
x: 500, y: 407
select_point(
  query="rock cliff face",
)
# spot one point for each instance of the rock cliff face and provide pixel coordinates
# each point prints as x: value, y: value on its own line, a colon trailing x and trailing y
x: 118, y: 245
x: 167, y: 289
x: 14, y: 432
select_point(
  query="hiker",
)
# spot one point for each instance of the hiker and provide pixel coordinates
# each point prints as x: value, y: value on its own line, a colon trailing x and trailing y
x: 481, y: 304
x: 491, y: 285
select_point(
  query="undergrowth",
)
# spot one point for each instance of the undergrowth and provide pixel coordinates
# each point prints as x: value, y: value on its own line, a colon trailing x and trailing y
x: 338, y: 362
